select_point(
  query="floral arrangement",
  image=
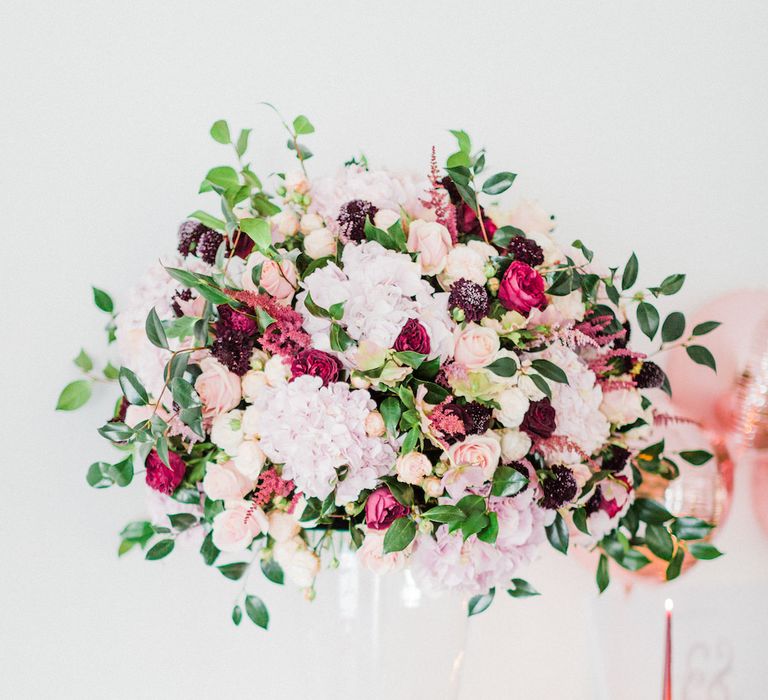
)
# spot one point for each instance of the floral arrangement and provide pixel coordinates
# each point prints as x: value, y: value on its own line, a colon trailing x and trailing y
x: 380, y: 353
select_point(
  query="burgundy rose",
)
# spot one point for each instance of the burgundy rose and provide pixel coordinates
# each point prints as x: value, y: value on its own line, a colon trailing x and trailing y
x: 316, y: 363
x: 382, y: 509
x: 522, y: 289
x: 413, y: 337
x: 466, y: 217
x: 231, y: 319
x: 539, y: 420
x: 160, y: 476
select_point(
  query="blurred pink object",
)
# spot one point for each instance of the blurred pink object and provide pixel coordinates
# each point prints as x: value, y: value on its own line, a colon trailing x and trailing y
x: 712, y: 398
x: 760, y: 488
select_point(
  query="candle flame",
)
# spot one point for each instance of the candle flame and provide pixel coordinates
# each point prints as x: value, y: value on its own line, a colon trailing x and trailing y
x: 668, y: 604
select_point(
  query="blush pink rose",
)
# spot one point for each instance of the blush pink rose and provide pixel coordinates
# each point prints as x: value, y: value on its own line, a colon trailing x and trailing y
x: 476, y: 346
x: 432, y: 241
x: 234, y: 529
x: 372, y: 557
x: 522, y: 288
x: 277, y: 280
x: 218, y: 388
x: 225, y: 482
x: 473, y: 462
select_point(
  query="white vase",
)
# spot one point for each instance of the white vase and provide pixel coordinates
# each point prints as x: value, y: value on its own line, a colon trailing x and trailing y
x: 368, y: 636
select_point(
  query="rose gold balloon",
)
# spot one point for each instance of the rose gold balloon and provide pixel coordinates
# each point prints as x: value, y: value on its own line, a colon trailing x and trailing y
x: 760, y: 488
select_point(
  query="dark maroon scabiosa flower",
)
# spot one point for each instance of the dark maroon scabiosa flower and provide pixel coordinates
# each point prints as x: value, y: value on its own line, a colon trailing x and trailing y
x: 614, y: 458
x: 413, y: 337
x: 233, y: 349
x: 208, y: 245
x: 316, y: 363
x: 624, y: 340
x: 527, y: 251
x: 234, y: 320
x: 161, y: 477
x: 183, y: 295
x: 594, y: 502
x: 559, y: 487
x: 352, y: 216
x: 189, y: 234
x: 382, y: 509
x: 471, y: 298
x: 477, y: 418
x: 539, y: 420
x: 650, y: 376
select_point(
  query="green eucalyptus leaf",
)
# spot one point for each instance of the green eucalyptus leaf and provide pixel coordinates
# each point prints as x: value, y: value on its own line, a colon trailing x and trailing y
x: 257, y: 611
x: 74, y: 395
x: 102, y: 300
x: 673, y: 327
x: 159, y: 550
x: 648, y: 318
x: 132, y: 388
x: 629, y: 276
x: 220, y: 131
x: 155, y: 330
x: 480, y: 603
x: 498, y: 183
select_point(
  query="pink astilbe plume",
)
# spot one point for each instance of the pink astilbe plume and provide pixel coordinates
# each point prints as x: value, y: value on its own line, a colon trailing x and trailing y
x: 593, y: 326
x: 269, y: 485
x: 285, y: 336
x: 439, y: 201
x: 664, y: 419
x: 574, y: 339
x: 447, y: 423
x: 610, y: 384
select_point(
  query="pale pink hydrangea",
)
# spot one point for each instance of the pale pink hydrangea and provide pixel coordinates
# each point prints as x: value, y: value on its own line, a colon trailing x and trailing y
x: 315, y: 432
x: 385, y: 190
x: 381, y: 289
x: 474, y: 566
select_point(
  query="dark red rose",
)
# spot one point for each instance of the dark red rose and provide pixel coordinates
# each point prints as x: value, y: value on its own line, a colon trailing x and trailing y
x: 382, y: 509
x: 522, y: 289
x: 539, y: 420
x: 317, y: 364
x: 160, y: 476
x: 413, y: 337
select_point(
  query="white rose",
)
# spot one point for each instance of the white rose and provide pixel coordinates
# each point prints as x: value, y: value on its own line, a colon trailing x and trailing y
x: 570, y: 306
x: 466, y: 262
x: 277, y: 371
x: 283, y: 526
x: 309, y: 222
x: 299, y: 563
x: 512, y: 407
x: 320, y: 243
x: 476, y: 346
x: 253, y: 383
x: 413, y: 467
x: 514, y: 445
x: 622, y: 407
x: 487, y: 251
x: 384, y: 218
x: 287, y: 223
x: 531, y: 391
x: 227, y: 431
x: 249, y: 421
x: 249, y: 459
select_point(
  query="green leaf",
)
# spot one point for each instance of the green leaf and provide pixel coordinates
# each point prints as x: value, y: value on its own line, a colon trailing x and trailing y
x: 122, y: 472
x: 242, y: 142
x: 132, y: 388
x: 522, y: 589
x: 491, y: 531
x: 183, y: 521
x: 74, y: 395
x: 208, y: 220
x: 550, y: 370
x: 161, y: 549
x: 257, y: 611
x: 588, y: 254
x: 184, y: 393
x: 659, y: 541
x: 233, y: 571
x: 673, y: 328
x: 102, y: 300
x: 503, y: 367
x: 273, y: 571
x: 403, y: 493
x: 580, y: 520
x: 603, y: 576
x: 557, y: 534
x: 410, y: 358
x: 463, y: 141
x: 648, y: 318
x: 672, y: 284
x: 444, y: 514
x: 390, y: 411
x: 505, y: 234
x: 223, y: 176
x: 498, y: 183
x: 302, y: 125
x: 258, y: 231
x: 96, y: 476
x: 704, y: 550
x: 237, y: 614
x: 208, y: 550
x: 110, y: 372
x: 340, y: 341
x: 474, y: 523
x: 689, y: 528
x: 116, y: 431
x: 472, y: 503
x: 701, y: 356
x: 409, y: 444
x: 399, y: 535
x: 337, y: 311
x: 83, y: 361
x: 629, y: 276
x: 613, y: 293
x: 507, y: 481
x: 651, y: 512
x: 696, y: 457
x: 541, y: 384
x: 480, y: 603
x: 220, y: 131
x: 155, y: 330
x: 706, y: 327
x: 675, y: 565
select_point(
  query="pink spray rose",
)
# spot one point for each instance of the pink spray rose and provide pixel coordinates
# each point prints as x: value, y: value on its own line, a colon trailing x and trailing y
x: 522, y: 288
x: 218, y: 388
x: 161, y: 477
x: 277, y: 280
x: 382, y: 509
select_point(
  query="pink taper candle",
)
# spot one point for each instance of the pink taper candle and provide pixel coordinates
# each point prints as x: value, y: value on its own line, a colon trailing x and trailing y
x: 667, y: 693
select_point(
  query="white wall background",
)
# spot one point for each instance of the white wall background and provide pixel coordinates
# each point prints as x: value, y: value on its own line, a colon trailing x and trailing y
x: 641, y: 125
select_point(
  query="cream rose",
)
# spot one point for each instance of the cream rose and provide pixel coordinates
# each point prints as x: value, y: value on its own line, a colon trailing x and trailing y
x: 310, y: 222
x: 277, y: 280
x: 413, y: 467
x: 372, y: 557
x: 218, y: 388
x: 432, y: 241
x: 466, y: 262
x: 227, y: 431
x: 249, y: 421
x: 476, y: 346
x: 374, y: 424
x: 514, y: 445
x: 300, y: 564
x: 320, y: 243
x: 234, y: 529
x: 512, y: 407
x: 432, y: 487
x: 622, y: 407
x: 286, y: 223
x: 384, y: 218
x: 254, y: 381
x: 277, y: 371
x: 225, y: 482
x: 283, y: 526
x: 250, y: 458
